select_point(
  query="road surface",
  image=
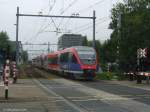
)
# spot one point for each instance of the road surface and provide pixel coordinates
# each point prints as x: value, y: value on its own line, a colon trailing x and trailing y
x: 57, y: 94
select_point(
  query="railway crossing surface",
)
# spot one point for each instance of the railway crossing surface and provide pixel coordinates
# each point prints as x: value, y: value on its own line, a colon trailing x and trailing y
x: 63, y: 95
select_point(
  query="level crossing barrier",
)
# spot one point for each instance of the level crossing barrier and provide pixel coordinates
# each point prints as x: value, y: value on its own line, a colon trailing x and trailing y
x: 6, y: 77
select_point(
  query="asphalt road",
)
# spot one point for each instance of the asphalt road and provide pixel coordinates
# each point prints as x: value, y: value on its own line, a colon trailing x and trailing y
x: 56, y: 94
x: 136, y: 94
x: 97, y: 96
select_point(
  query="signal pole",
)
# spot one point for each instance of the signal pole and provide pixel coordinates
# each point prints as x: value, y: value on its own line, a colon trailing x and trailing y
x: 94, y: 17
x: 119, y: 36
x: 48, y: 49
x: 139, y: 56
x: 17, y: 28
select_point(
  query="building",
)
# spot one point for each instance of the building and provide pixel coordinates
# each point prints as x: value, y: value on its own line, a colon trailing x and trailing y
x: 69, y: 40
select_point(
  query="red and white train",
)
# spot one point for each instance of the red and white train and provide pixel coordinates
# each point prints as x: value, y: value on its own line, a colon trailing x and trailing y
x: 79, y: 62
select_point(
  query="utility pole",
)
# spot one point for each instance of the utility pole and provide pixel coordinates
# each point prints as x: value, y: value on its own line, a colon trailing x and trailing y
x: 141, y: 54
x: 17, y: 44
x: 119, y: 36
x: 94, y: 17
x: 48, y: 49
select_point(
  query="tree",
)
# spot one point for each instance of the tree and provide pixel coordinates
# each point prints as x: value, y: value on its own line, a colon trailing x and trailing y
x: 85, y: 41
x: 134, y: 30
x: 5, y: 44
x: 4, y: 41
x: 25, y: 56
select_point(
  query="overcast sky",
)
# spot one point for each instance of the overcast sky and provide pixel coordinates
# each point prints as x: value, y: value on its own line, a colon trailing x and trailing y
x: 40, y: 30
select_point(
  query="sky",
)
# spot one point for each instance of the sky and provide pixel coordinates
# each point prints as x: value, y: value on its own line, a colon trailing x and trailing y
x: 43, y: 30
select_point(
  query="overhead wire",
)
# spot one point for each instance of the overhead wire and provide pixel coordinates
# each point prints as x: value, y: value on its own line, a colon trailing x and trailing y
x: 85, y: 9
x: 91, y: 6
x: 41, y: 28
x: 88, y: 27
x: 90, y: 24
x: 50, y: 9
x: 69, y: 6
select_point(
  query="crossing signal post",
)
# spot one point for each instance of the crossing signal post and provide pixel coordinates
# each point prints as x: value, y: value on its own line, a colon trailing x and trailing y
x: 6, y: 77
x: 141, y: 55
x: 15, y: 71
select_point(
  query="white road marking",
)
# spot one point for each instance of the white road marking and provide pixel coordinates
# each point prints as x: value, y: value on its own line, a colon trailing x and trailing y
x: 109, y: 98
x: 62, y: 98
x: 85, y: 100
x: 23, y: 86
x: 81, y: 97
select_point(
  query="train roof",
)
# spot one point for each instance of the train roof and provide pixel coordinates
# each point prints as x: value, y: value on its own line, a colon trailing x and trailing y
x: 73, y: 48
x: 52, y: 54
x: 80, y: 48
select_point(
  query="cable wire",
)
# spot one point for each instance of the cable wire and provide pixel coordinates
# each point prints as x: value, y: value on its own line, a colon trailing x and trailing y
x: 88, y: 27
x: 69, y: 6
x: 41, y: 28
x: 91, y: 6
x: 90, y: 24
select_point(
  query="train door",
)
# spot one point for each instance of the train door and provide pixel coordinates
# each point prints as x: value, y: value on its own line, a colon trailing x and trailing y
x: 64, y: 62
x: 74, y: 66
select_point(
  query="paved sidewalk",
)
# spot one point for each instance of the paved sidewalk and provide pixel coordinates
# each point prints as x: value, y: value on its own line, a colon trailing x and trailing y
x: 26, y: 96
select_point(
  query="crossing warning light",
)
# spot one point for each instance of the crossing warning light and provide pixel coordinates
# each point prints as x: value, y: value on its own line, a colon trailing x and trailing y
x: 142, y: 53
x: 145, y: 52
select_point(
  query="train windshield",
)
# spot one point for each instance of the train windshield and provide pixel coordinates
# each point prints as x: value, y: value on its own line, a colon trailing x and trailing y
x: 87, y: 56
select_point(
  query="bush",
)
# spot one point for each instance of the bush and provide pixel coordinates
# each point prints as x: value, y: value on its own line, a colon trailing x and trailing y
x: 105, y: 76
x: 110, y: 76
x: 120, y: 76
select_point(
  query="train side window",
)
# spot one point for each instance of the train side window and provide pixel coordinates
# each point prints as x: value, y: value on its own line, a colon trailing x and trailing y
x: 55, y: 60
x: 64, y: 57
x: 73, y: 59
x: 52, y: 60
x: 49, y: 60
x: 61, y: 58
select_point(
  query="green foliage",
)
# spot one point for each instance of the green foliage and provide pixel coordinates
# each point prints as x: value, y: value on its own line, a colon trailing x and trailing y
x: 9, y: 47
x: 110, y: 76
x: 4, y: 41
x: 5, y: 44
x: 105, y: 76
x: 85, y: 41
x: 119, y: 76
x: 134, y: 33
x: 25, y: 56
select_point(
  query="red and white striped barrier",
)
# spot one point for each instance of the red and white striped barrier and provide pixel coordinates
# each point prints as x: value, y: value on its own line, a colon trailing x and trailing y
x: 6, y: 77
x: 14, y: 69
x: 144, y: 73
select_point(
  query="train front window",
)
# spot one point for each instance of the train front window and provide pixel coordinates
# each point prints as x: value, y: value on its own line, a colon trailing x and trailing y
x: 87, y: 57
x: 73, y: 58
